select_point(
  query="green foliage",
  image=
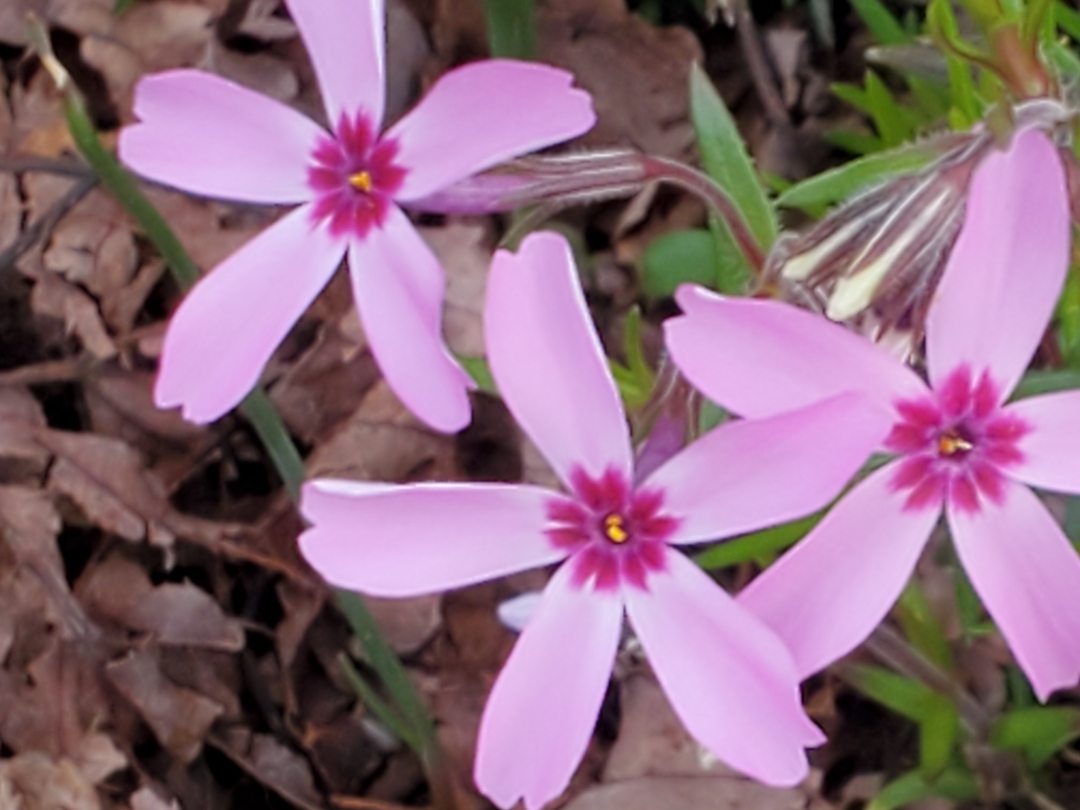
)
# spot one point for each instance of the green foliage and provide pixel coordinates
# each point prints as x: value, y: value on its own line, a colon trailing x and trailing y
x: 761, y: 547
x: 882, y: 24
x: 836, y: 185
x: 511, y: 28
x: 725, y: 160
x: 677, y: 258
x: 1038, y: 732
x: 635, y: 380
x: 921, y: 627
x: 955, y: 783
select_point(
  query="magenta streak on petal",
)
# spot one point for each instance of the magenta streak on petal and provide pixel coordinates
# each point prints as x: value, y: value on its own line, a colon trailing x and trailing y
x: 614, y: 534
x: 354, y: 177
x: 957, y: 444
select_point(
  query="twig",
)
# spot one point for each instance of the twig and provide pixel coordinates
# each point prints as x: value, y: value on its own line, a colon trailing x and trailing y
x: 17, y: 164
x: 756, y: 61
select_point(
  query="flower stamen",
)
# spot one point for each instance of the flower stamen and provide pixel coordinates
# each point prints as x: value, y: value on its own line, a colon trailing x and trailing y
x: 949, y: 444
x: 361, y: 181
x: 615, y: 529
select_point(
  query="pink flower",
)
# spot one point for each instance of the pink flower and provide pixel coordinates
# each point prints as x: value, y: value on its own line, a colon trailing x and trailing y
x: 727, y: 676
x: 208, y: 136
x: 958, y: 446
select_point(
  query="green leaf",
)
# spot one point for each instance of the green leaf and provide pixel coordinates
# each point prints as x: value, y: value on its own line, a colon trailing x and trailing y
x: 882, y: 24
x: 904, y: 696
x: 511, y: 28
x: 121, y: 6
x: 840, y: 183
x: 852, y: 95
x: 966, y: 105
x: 634, y: 380
x: 922, y: 628
x: 1046, y: 382
x: 1067, y: 19
x: 1039, y: 732
x: 858, y: 143
x: 893, y: 124
x: 678, y: 258
x: 725, y: 159
x: 757, y: 546
x: 480, y: 371
x: 732, y: 271
x: 954, y: 783
x: 939, y: 729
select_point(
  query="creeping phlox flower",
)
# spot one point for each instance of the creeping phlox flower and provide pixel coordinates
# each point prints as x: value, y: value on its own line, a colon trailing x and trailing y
x: 206, y: 135
x: 959, y: 447
x: 727, y: 675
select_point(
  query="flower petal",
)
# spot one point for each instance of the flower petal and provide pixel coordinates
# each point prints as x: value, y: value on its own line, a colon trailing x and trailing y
x: 826, y: 595
x: 346, y: 41
x: 1028, y: 577
x: 754, y: 473
x: 204, y: 134
x: 760, y: 358
x: 728, y: 677
x: 1005, y: 273
x: 398, y: 285
x: 542, y: 709
x: 1051, y: 447
x: 419, y: 538
x: 227, y: 327
x: 547, y: 360
x: 484, y: 113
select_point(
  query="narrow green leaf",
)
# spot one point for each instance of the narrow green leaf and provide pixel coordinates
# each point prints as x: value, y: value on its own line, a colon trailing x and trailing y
x: 966, y: 106
x: 725, y: 159
x: 882, y: 24
x: 939, y: 729
x: 904, y: 696
x: 678, y: 258
x: 374, y: 701
x: 732, y: 271
x: 1046, y: 382
x: 858, y: 143
x: 635, y: 352
x: 1039, y: 732
x: 758, y: 545
x: 892, y: 124
x: 480, y: 371
x: 840, y: 183
x: 954, y: 783
x: 852, y: 95
x: 511, y: 28
x: 1067, y: 19
x: 922, y: 628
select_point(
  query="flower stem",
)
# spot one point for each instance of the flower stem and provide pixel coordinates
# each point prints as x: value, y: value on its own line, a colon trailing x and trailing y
x: 262, y: 415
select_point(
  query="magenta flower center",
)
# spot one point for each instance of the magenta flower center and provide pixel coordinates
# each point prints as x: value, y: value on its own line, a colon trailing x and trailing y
x: 613, y: 534
x: 354, y: 177
x: 956, y: 444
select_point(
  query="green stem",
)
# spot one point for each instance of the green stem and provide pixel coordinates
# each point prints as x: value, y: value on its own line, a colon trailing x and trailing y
x: 266, y: 421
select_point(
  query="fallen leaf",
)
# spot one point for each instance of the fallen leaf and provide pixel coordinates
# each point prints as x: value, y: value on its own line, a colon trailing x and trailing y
x: 34, y: 781
x: 180, y: 718
x: 182, y: 614
x: 22, y: 459
x: 688, y: 793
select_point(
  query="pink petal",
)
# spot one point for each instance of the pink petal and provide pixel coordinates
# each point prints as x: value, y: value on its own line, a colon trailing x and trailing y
x: 1028, y: 577
x: 760, y: 358
x: 1051, y: 447
x: 346, y: 40
x: 1006, y: 270
x: 754, y: 473
x: 541, y: 712
x: 420, y: 538
x: 484, y: 113
x: 728, y: 677
x: 204, y: 134
x: 398, y: 285
x: 826, y: 595
x: 547, y: 360
x: 230, y: 323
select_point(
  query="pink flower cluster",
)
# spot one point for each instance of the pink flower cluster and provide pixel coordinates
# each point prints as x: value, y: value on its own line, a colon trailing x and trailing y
x: 815, y: 401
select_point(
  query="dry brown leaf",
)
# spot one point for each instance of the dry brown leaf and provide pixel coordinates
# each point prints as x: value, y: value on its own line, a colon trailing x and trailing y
x: 274, y: 765
x: 688, y: 793
x: 11, y: 207
x: 64, y: 301
x: 463, y: 248
x: 22, y: 459
x: 382, y: 441
x: 262, y: 72
x: 34, y: 781
x: 407, y: 624
x: 180, y: 718
x: 145, y: 798
x: 182, y: 614
x: 108, y: 481
x: 98, y: 757
x: 636, y: 73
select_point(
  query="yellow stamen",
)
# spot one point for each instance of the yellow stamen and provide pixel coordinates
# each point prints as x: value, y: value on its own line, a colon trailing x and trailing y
x: 361, y: 181
x: 614, y: 529
x: 950, y: 443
